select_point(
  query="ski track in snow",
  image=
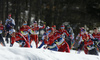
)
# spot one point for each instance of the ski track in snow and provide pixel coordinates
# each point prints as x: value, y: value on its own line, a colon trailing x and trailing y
x: 17, y: 53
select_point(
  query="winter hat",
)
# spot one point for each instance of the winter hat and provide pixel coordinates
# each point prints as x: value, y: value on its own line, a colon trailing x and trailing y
x: 54, y: 26
x: 62, y: 26
x: 51, y: 29
x: 11, y: 31
x: 68, y: 26
x: 9, y: 15
x: 47, y: 28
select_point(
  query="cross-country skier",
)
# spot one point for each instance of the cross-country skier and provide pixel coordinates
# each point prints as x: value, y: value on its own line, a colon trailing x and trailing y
x: 44, y: 36
x: 63, y: 31
x: 96, y: 34
x: 19, y: 38
x: 50, y: 41
x: 9, y: 24
x: 86, y: 42
x: 25, y: 29
x: 70, y: 42
x: 83, y: 35
x: 89, y: 46
x: 62, y: 44
x: 34, y: 32
x: 1, y: 31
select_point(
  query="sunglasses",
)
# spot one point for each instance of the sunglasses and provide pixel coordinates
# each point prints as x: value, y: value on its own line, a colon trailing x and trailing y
x: 24, y: 24
x: 62, y: 27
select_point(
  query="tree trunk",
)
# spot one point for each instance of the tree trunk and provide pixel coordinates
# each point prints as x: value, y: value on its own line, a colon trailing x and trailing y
x: 3, y: 11
x: 29, y: 15
x: 7, y: 8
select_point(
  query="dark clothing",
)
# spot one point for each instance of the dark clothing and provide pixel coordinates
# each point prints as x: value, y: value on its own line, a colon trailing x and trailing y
x: 69, y: 43
x: 9, y: 26
x: 81, y: 46
x: 70, y: 31
x: 93, y: 52
x: 2, y: 40
x: 7, y: 36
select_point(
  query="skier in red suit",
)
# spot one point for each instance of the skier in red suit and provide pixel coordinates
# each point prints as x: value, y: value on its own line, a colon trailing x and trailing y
x: 1, y: 31
x: 62, y: 44
x: 50, y: 40
x: 63, y: 31
x: 89, y: 46
x: 25, y: 29
x: 34, y: 33
x: 86, y: 42
x: 96, y: 34
x: 83, y: 37
x: 19, y: 38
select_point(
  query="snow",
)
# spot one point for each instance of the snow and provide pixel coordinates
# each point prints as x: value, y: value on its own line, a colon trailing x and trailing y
x: 18, y: 53
x: 15, y: 53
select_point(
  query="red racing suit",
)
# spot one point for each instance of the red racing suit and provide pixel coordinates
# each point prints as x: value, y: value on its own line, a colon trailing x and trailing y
x: 61, y: 43
x: 88, y: 45
x: 87, y: 42
x: 96, y: 36
x: 1, y: 37
x: 25, y: 32
x: 19, y: 36
x: 34, y: 34
x: 63, y: 32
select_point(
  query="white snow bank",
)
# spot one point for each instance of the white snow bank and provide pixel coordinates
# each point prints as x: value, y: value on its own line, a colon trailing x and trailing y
x: 8, y: 53
x: 17, y: 53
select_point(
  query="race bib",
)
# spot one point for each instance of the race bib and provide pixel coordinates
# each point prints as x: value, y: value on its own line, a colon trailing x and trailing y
x: 24, y: 33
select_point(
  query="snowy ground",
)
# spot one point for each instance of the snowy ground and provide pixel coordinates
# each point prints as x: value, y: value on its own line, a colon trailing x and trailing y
x: 17, y: 53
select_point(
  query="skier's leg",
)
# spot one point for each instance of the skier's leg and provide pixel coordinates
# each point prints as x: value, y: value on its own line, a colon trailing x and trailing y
x: 67, y: 48
x: 81, y: 46
x: 31, y: 38
x: 7, y: 38
x: 85, y: 50
x: 2, y: 40
x: 36, y: 41
x: 68, y: 41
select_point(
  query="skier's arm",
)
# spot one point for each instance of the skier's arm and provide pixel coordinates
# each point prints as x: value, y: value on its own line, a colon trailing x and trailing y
x: 12, y: 41
x: 67, y: 33
x: 42, y: 27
